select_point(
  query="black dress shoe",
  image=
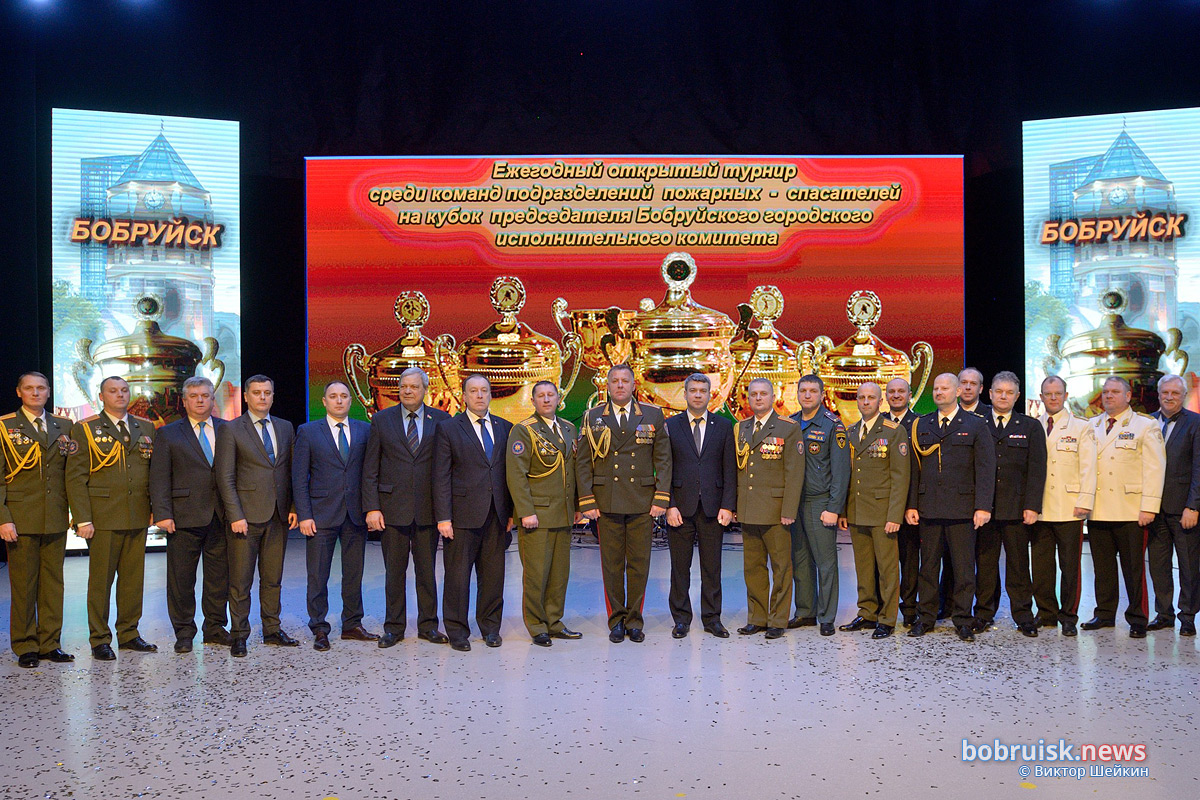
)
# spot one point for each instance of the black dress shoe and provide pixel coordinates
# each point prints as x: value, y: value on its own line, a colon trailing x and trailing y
x: 359, y: 634
x: 1029, y: 629
x: 716, y: 629
x: 979, y: 625
x: 774, y: 633
x: 280, y: 639
x: 918, y: 629
x: 543, y: 640
x: 750, y: 630
x: 882, y: 632
x: 27, y: 660
x: 617, y: 634
x: 103, y: 652
x: 434, y: 637
x: 1095, y: 624
x: 320, y: 641
x: 802, y: 622
x: 390, y: 639
x: 965, y: 633
x: 679, y: 631
x: 57, y: 656
x: 857, y: 624
x: 1187, y: 629
x: 566, y: 633
x: 183, y: 645
x: 220, y: 637
x: 1069, y: 629
x: 139, y: 645
x: 636, y: 635
x: 462, y: 646
x: 1160, y: 623
x: 1137, y: 631
x: 827, y: 629
x: 493, y: 640
x: 909, y: 620
x: 237, y: 648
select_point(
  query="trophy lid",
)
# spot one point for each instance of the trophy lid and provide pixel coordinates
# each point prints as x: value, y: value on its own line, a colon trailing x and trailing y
x: 509, y: 343
x: 678, y: 316
x: 864, y: 350
x: 766, y: 303
x: 147, y: 341
x: 1113, y: 337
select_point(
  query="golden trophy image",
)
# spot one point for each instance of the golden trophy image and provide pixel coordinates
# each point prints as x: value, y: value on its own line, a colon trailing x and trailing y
x: 383, y: 368
x: 510, y: 354
x: 677, y: 337
x: 155, y: 364
x: 1114, y: 348
x: 764, y: 352
x: 601, y: 333
x: 865, y: 357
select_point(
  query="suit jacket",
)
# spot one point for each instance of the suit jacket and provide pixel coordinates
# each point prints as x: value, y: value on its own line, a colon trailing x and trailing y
x: 1020, y: 465
x: 1070, y: 467
x: 953, y: 474
x: 108, y: 482
x: 770, y: 470
x: 706, y: 480
x: 879, y: 472
x: 1181, y: 489
x: 1131, y: 466
x: 396, y: 480
x: 623, y: 471
x: 251, y: 488
x: 540, y: 468
x: 35, y: 497
x: 183, y: 486
x: 326, y: 488
x: 466, y: 483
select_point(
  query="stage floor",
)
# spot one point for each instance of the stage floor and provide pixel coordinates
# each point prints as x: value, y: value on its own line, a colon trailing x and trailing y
x: 699, y: 717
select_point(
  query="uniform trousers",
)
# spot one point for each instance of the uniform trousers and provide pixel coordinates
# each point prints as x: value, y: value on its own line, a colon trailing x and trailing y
x: 625, y: 541
x: 957, y: 536
x: 814, y: 561
x: 119, y: 554
x: 35, y: 579
x: 1125, y: 540
x: 545, y: 567
x: 1018, y: 581
x: 769, y: 598
x: 1064, y: 539
x: 876, y: 565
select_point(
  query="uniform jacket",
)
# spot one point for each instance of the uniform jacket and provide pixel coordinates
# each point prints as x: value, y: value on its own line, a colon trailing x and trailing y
x: 397, y: 480
x: 183, y: 486
x: 1181, y: 489
x: 466, y: 484
x: 879, y: 474
x: 623, y: 471
x: 1070, y: 467
x: 1020, y: 465
x: 1131, y: 466
x: 953, y: 474
x: 251, y: 487
x: 34, y: 496
x: 826, y: 458
x: 906, y: 420
x: 770, y: 470
x: 326, y: 488
x: 108, y: 483
x: 540, y: 468
x: 706, y: 480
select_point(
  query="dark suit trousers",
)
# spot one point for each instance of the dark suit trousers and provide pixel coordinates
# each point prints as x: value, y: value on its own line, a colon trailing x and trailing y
x: 625, y: 541
x: 1126, y: 540
x: 1166, y: 533
x: 703, y: 531
x: 1017, y: 579
x: 318, y: 556
x: 908, y: 541
x: 35, y: 579
x: 119, y: 555
x: 397, y: 543
x: 1065, y: 539
x: 958, y: 536
x: 481, y: 549
x: 184, y: 548
x: 263, y: 546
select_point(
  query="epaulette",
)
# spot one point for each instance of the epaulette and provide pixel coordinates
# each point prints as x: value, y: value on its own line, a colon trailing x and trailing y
x: 891, y: 423
x: 1143, y: 414
x: 788, y: 420
x: 528, y: 423
x: 9, y: 416
x: 142, y: 419
x: 92, y: 418
x: 832, y: 415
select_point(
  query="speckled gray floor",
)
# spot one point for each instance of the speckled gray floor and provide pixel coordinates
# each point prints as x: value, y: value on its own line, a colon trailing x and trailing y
x: 699, y: 718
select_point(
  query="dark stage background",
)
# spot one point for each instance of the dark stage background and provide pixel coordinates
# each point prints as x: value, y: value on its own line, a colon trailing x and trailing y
x: 396, y: 78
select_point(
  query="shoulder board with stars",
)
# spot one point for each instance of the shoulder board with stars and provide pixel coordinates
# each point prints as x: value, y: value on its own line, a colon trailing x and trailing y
x: 891, y: 423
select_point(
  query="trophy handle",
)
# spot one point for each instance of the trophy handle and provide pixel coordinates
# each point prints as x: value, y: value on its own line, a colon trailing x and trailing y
x: 612, y: 321
x: 355, y: 355
x: 444, y: 356
x: 559, y: 310
x: 82, y: 368
x: 572, y: 345
x: 1174, y: 339
x: 211, y: 346
x: 1053, y: 361
x: 922, y: 353
x: 743, y: 332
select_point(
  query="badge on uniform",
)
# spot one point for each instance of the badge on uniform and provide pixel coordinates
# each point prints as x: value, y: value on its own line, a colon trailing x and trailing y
x: 814, y: 448
x: 66, y: 445
x: 644, y: 434
x: 145, y: 447
x: 518, y: 447
x: 840, y: 435
x: 903, y: 448
x: 771, y: 448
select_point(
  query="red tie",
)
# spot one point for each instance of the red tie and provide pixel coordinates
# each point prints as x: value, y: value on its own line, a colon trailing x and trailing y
x: 1108, y: 426
x: 1050, y: 426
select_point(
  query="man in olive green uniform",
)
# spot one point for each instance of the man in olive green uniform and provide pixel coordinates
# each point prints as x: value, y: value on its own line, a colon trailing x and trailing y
x: 770, y: 461
x: 623, y: 475
x: 108, y: 486
x: 541, y: 479
x: 879, y: 469
x: 33, y: 521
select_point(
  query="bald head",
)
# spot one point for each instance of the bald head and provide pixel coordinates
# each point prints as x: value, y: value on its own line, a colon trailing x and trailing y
x: 945, y: 391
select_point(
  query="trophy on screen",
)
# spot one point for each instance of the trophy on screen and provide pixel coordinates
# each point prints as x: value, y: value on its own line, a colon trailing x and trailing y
x: 383, y: 368
x: 864, y: 357
x: 153, y: 363
x: 764, y: 352
x: 601, y: 333
x: 1114, y: 348
x: 510, y: 354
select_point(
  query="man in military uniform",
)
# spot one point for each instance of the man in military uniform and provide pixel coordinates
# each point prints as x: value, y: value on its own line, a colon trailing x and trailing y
x: 908, y: 540
x: 770, y: 462
x: 108, y: 486
x: 541, y: 479
x: 33, y: 521
x: 874, y: 508
x: 970, y: 388
x: 623, y: 476
x: 814, y: 534
x: 950, y: 495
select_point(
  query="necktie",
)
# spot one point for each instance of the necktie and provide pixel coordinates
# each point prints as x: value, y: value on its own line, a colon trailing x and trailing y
x: 696, y: 433
x: 37, y: 423
x: 1108, y: 426
x: 1000, y: 423
x: 1049, y: 426
x: 205, y: 447
x: 621, y: 419
x: 945, y: 424
x: 267, y: 443
x: 487, y: 438
x: 862, y: 433
x: 343, y: 443
x: 124, y: 431
x: 757, y: 426
x: 414, y: 440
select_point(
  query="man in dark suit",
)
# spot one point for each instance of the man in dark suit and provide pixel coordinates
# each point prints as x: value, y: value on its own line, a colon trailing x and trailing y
x: 703, y: 499
x: 187, y: 507
x: 327, y: 486
x: 950, y: 496
x: 1175, y: 525
x: 970, y: 389
x: 108, y: 486
x: 474, y: 512
x: 908, y: 540
x: 1020, y: 444
x: 33, y: 521
x: 253, y: 465
x: 398, y: 500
